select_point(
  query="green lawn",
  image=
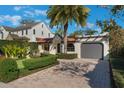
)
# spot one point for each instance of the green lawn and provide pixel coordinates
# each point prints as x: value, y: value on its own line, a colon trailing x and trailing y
x: 25, y: 66
x: 118, y: 71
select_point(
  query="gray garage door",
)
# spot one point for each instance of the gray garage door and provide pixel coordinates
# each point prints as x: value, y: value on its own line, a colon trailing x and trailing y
x: 92, y: 50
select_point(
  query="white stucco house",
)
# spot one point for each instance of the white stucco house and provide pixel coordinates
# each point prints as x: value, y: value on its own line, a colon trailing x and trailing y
x: 95, y: 46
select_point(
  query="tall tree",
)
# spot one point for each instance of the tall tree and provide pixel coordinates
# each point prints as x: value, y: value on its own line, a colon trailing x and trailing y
x: 117, y: 10
x: 108, y: 25
x: 64, y: 15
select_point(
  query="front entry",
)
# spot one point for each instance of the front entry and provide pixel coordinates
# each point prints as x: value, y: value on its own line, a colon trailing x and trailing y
x: 58, y: 48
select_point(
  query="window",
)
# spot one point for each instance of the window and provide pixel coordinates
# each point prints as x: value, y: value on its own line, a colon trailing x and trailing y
x: 46, y: 47
x: 42, y: 25
x: 48, y: 34
x: 22, y: 32
x: 1, y: 35
x: 9, y: 32
x: 26, y: 31
x: 34, y: 31
x: 42, y: 32
x: 70, y: 47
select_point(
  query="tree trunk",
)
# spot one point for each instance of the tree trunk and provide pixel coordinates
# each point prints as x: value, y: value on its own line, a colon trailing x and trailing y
x: 65, y: 37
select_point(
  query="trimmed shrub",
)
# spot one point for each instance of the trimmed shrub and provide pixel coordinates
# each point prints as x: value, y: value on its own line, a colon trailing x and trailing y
x: 118, y: 71
x: 36, y: 63
x: 118, y: 78
x: 2, y: 58
x: 8, y: 70
x: 66, y: 56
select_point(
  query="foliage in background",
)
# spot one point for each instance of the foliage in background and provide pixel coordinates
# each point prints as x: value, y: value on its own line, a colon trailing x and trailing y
x: 108, y: 25
x: 77, y: 33
x: 116, y: 36
x: 116, y: 43
x: 18, y: 49
x: 117, y: 10
x: 90, y: 32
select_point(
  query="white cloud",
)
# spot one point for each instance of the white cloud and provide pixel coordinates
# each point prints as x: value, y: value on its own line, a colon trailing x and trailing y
x: 28, y: 13
x: 38, y: 20
x: 47, y: 21
x: 18, y: 8
x: 98, y: 29
x: 35, y: 13
x: 40, y: 12
x: 89, y: 25
x: 14, y: 20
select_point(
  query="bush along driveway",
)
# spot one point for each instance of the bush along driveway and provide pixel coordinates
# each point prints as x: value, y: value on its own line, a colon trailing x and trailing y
x: 117, y: 65
x: 11, y: 69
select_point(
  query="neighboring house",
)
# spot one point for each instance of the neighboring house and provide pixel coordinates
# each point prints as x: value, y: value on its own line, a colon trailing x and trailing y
x: 31, y: 31
x: 94, y: 46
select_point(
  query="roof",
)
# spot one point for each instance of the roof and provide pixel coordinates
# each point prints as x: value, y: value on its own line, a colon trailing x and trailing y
x: 7, y: 28
x: 26, y: 26
x: 16, y: 37
x: 71, y: 39
x: 21, y: 27
x: 105, y: 34
x: 44, y: 40
x: 49, y: 40
x: 23, y: 38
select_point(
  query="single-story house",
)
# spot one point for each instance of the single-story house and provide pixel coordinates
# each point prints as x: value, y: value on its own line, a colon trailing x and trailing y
x: 89, y: 46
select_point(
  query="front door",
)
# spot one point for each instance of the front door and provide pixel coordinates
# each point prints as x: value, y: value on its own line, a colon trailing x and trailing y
x: 58, y: 48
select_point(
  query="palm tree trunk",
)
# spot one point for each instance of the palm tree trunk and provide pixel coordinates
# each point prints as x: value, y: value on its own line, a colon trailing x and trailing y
x: 65, y: 37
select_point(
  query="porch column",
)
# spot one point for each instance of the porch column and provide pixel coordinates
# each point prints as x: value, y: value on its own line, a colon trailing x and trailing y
x: 40, y: 48
x: 78, y: 49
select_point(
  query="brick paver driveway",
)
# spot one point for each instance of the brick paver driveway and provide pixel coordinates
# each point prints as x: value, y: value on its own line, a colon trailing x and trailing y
x: 48, y: 78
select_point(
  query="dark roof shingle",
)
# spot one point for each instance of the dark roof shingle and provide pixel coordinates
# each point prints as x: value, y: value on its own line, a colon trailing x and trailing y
x: 21, y: 27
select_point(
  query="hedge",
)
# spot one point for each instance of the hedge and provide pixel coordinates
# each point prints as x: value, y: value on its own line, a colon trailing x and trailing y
x: 118, y: 71
x: 118, y: 78
x: 36, y: 63
x: 11, y: 69
x: 66, y: 56
x: 8, y: 70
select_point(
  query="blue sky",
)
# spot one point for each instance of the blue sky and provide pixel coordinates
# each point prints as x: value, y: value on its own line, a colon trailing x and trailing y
x: 11, y: 15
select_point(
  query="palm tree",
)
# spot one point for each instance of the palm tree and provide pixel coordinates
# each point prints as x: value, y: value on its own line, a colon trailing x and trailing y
x: 65, y: 14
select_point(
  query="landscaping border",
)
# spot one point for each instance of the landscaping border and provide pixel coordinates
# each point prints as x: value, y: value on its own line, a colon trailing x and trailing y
x: 111, y: 76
